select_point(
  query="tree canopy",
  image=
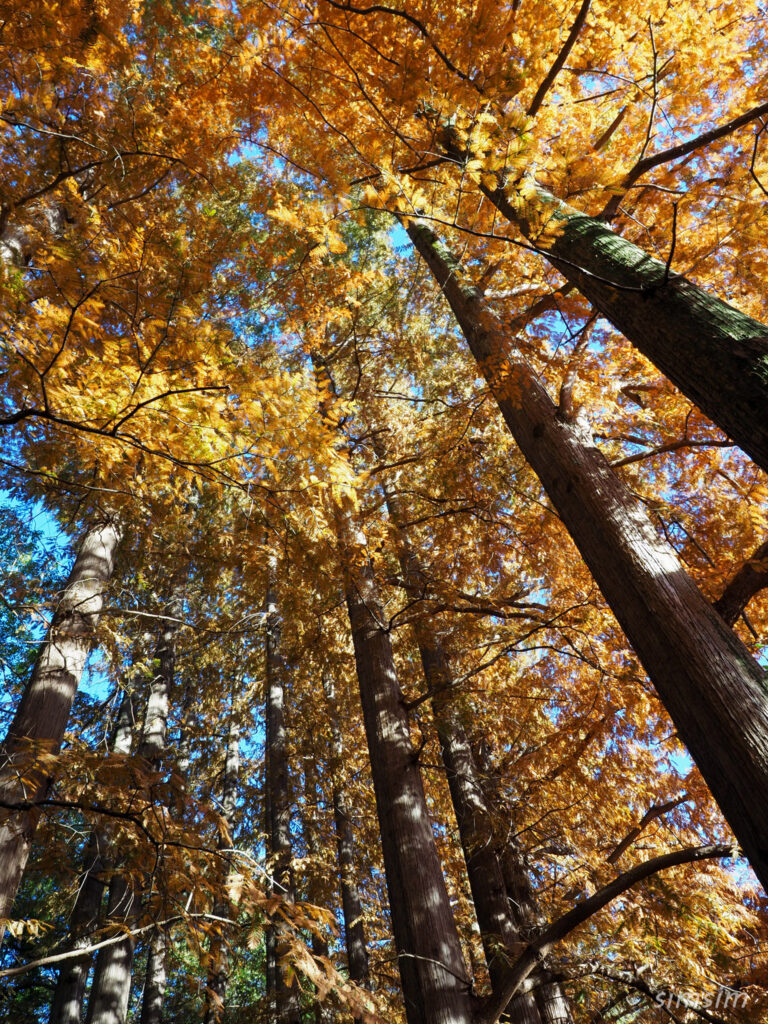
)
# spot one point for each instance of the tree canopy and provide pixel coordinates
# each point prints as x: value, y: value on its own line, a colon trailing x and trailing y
x: 384, y: 512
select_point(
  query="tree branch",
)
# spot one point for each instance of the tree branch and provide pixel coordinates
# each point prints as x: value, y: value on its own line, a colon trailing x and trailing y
x: 561, y: 58
x: 538, y: 949
x: 751, y: 578
x: 657, y: 811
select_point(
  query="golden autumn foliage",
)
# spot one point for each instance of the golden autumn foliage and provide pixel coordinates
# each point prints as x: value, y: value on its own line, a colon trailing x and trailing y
x: 216, y: 332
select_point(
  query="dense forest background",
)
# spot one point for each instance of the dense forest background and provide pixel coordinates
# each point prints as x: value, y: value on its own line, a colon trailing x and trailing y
x: 383, y: 512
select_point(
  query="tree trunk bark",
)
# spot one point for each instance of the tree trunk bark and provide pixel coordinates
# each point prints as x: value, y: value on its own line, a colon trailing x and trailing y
x: 285, y: 996
x: 712, y: 688
x: 68, y: 995
x: 155, y: 979
x: 218, y: 973
x: 316, y: 890
x: 351, y: 904
x: 500, y: 927
x: 716, y: 355
x: 111, y: 985
x: 436, y: 988
x: 41, y: 718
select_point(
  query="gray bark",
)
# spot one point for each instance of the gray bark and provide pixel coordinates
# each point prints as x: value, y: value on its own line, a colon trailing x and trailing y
x: 709, y: 683
x: 351, y: 904
x: 716, y: 355
x: 218, y: 974
x: 285, y: 997
x: 41, y: 718
x: 155, y: 979
x: 111, y: 985
x: 67, y: 1004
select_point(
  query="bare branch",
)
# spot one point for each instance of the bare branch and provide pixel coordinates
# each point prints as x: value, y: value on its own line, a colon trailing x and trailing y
x: 561, y: 58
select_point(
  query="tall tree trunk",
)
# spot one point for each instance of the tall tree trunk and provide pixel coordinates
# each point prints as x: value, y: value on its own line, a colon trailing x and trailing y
x: 499, y: 926
x: 41, y: 718
x: 154, y: 739
x: 218, y: 973
x: 351, y: 904
x: 111, y: 986
x: 278, y: 784
x: 551, y: 1001
x: 67, y: 1004
x: 155, y: 979
x: 315, y: 893
x: 436, y: 988
x: 714, y: 354
x: 712, y: 688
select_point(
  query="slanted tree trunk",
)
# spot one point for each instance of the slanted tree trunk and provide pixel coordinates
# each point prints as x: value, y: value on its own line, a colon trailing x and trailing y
x: 351, y: 904
x: 218, y: 972
x: 67, y: 1004
x: 284, y: 996
x: 500, y: 929
x: 111, y: 986
x: 712, y: 688
x: 41, y: 718
x: 436, y: 989
x: 716, y: 355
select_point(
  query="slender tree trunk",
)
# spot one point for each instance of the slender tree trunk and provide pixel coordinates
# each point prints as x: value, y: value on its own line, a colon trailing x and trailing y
x: 155, y: 979
x: 315, y: 893
x: 716, y: 355
x: 436, y: 988
x: 712, y: 688
x: 67, y: 1004
x: 278, y: 784
x: 153, y: 744
x: 499, y: 926
x: 351, y: 904
x: 111, y: 986
x: 41, y: 718
x: 218, y: 974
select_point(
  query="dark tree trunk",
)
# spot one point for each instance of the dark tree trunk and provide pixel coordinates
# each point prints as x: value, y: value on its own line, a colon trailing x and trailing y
x: 500, y: 927
x: 712, y: 688
x: 286, y: 999
x: 351, y: 904
x: 436, y: 988
x: 717, y: 356
x: 68, y: 995
x: 42, y: 714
